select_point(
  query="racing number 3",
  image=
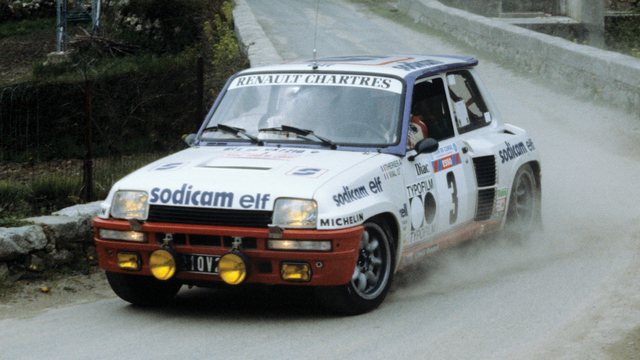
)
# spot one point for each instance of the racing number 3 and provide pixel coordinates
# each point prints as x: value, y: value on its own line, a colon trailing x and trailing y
x: 451, y: 183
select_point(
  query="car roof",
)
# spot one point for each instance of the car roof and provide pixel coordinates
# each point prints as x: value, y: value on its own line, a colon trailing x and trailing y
x: 404, y: 66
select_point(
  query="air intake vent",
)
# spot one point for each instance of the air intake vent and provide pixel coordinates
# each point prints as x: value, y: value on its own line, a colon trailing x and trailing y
x: 205, y: 216
x: 485, y: 167
x: 486, y: 199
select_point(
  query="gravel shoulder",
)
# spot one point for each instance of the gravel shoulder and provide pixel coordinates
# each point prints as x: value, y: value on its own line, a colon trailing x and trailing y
x: 29, y: 298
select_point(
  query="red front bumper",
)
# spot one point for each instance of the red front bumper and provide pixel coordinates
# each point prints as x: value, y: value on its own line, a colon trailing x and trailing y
x: 334, y: 267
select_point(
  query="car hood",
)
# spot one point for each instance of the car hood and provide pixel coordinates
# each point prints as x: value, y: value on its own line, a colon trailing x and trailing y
x: 240, y: 178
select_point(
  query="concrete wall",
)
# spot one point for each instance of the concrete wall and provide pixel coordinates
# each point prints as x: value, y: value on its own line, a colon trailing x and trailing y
x: 590, y: 71
x: 591, y: 14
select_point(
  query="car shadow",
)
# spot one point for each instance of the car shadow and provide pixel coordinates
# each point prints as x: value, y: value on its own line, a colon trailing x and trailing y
x: 243, y: 302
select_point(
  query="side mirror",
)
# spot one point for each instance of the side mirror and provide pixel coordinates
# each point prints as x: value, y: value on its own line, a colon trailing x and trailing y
x: 425, y: 146
x: 189, y: 139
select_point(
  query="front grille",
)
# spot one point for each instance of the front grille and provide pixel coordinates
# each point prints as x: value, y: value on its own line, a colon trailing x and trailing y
x: 208, y: 240
x: 485, y: 204
x: 205, y: 216
x: 485, y: 167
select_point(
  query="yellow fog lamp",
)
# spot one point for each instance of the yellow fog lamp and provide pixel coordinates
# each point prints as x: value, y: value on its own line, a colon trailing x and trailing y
x: 295, y: 272
x: 233, y: 267
x: 128, y: 261
x: 163, y: 263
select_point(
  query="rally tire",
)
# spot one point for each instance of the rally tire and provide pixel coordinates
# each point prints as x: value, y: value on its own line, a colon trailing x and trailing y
x: 142, y: 290
x: 523, y: 212
x: 372, y: 276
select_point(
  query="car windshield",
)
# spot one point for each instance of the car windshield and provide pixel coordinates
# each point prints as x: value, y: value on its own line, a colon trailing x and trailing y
x: 343, y: 109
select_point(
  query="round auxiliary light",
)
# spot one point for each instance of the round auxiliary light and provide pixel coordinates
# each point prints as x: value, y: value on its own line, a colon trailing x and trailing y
x: 162, y: 263
x: 233, y: 267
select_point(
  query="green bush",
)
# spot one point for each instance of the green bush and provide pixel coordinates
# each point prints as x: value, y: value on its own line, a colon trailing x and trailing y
x: 157, y: 26
x: 621, y: 34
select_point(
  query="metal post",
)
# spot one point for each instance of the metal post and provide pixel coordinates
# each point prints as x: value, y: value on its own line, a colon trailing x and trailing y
x: 87, y: 181
x: 200, y: 92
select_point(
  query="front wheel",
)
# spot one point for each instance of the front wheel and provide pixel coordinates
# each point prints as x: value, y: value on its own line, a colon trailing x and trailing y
x: 523, y: 213
x: 142, y: 290
x: 371, y: 278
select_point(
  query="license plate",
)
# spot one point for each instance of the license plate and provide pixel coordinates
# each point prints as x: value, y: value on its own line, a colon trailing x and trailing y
x: 207, y: 264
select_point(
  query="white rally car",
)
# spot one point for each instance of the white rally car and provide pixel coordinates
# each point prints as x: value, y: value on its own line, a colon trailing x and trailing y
x: 333, y: 173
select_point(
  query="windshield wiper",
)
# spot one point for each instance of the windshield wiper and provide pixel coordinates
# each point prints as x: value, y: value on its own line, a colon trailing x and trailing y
x: 235, y: 131
x: 303, y: 133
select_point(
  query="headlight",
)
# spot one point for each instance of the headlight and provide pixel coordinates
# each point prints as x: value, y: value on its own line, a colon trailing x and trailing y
x: 130, y: 205
x: 295, y: 213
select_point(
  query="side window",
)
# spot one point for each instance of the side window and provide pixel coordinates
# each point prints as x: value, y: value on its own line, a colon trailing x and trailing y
x: 429, y: 112
x: 469, y: 107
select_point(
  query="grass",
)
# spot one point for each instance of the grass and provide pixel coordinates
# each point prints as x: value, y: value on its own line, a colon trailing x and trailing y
x: 93, y: 68
x: 13, y: 221
x: 26, y: 27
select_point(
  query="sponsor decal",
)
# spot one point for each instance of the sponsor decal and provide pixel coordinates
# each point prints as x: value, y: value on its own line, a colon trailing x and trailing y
x: 350, y: 195
x: 427, y: 251
x: 404, y: 212
x: 511, y: 152
x: 342, y: 221
x: 413, y: 65
x: 169, y: 166
x: 423, y: 210
x: 419, y: 188
x: 407, y: 259
x: 446, y: 162
x: 421, y: 169
x: 392, y: 169
x: 306, y: 172
x: 444, y: 151
x: 375, y: 185
x: 365, y: 81
x: 187, y: 195
x: 269, y: 156
x: 501, y: 200
x: 263, y: 150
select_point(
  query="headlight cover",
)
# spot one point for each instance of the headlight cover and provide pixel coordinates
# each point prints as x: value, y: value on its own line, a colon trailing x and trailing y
x: 295, y: 213
x: 130, y: 205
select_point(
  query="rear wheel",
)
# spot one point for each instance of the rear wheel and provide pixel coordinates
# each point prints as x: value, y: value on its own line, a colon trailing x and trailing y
x: 524, y: 204
x: 142, y: 290
x: 371, y: 278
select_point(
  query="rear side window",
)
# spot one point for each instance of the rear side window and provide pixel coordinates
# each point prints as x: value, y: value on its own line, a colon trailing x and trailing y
x: 469, y: 108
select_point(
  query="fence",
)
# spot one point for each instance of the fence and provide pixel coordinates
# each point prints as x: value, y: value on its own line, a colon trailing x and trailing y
x: 19, y: 124
x: 48, y: 139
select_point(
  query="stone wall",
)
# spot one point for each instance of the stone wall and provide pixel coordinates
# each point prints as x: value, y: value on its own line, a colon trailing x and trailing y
x: 47, y: 243
x: 602, y: 74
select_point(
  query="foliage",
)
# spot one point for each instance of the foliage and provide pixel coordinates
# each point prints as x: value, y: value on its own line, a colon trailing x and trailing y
x: 156, y: 25
x: 142, y: 102
x: 622, y: 34
x: 41, y: 196
x: 13, y: 221
x: 223, y: 45
x: 26, y: 26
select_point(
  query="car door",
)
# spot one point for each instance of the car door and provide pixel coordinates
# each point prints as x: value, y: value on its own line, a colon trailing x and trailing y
x: 436, y: 183
x: 450, y: 167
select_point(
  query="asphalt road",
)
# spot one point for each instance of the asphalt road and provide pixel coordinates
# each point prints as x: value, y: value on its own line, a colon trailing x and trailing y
x: 569, y: 293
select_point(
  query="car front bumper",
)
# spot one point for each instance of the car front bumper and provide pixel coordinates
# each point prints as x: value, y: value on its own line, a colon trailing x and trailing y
x: 334, y: 267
